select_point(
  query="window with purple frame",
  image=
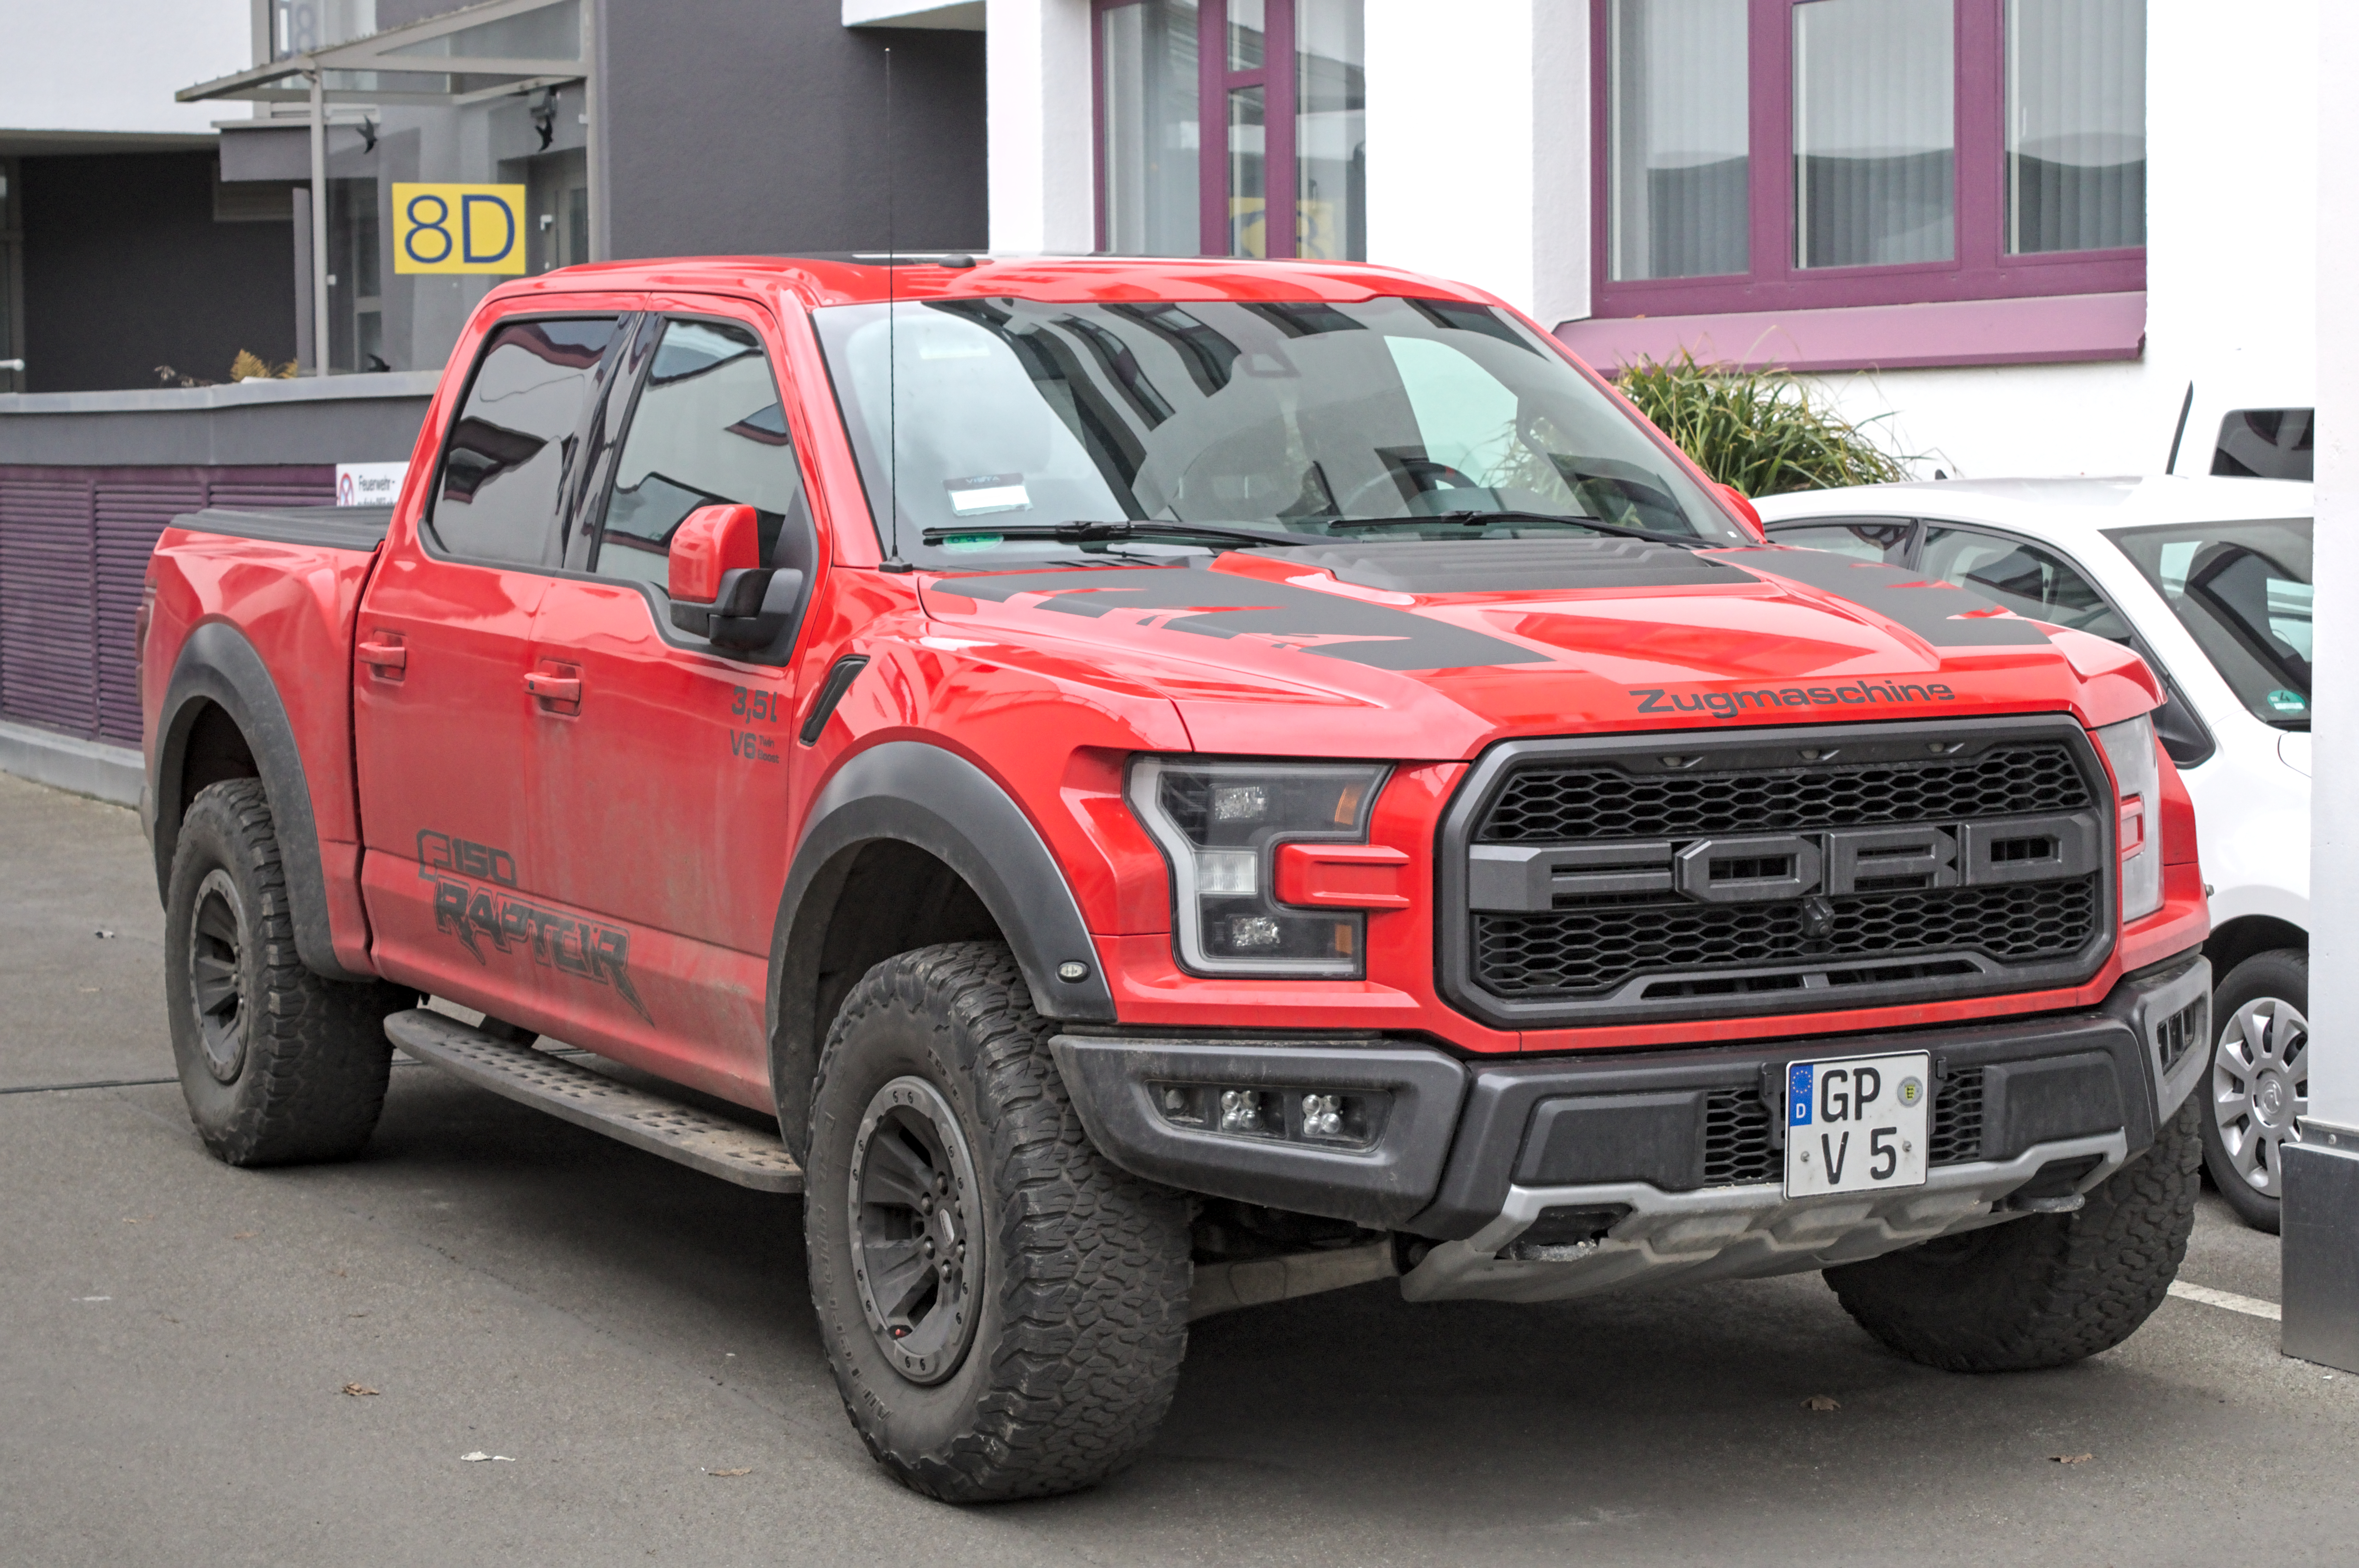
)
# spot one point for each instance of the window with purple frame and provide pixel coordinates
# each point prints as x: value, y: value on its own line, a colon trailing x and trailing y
x: 1777, y: 154
x: 1230, y: 127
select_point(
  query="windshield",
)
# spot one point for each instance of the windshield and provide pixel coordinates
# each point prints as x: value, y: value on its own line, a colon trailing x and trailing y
x: 2241, y: 590
x: 1371, y: 420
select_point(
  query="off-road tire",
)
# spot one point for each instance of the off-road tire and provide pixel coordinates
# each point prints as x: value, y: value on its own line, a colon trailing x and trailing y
x: 2283, y: 974
x: 1083, y: 1299
x: 2043, y: 1290
x: 310, y: 1055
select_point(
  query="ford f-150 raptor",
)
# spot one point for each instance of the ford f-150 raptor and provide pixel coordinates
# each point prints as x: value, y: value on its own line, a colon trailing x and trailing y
x: 1177, y: 784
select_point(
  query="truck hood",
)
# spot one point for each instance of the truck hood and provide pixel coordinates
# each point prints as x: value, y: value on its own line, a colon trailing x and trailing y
x: 1431, y: 650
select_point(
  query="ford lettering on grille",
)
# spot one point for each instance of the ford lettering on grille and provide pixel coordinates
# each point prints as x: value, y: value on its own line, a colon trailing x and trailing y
x: 1612, y: 878
x: 1773, y: 867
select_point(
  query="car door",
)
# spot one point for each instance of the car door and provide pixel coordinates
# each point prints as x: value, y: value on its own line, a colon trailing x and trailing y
x: 662, y: 772
x: 444, y: 636
x: 2038, y: 582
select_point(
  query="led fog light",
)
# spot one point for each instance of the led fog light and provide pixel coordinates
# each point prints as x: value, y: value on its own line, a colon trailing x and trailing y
x: 1350, y: 1119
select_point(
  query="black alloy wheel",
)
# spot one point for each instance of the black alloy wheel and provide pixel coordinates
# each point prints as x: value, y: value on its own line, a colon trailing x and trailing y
x: 216, y: 960
x: 916, y: 1229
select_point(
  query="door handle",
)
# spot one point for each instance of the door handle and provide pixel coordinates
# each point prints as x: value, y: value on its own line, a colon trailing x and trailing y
x: 556, y: 686
x: 384, y: 652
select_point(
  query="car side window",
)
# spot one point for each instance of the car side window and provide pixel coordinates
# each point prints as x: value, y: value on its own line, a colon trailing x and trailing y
x: 710, y: 429
x: 1862, y: 539
x: 512, y: 453
x: 2034, y: 582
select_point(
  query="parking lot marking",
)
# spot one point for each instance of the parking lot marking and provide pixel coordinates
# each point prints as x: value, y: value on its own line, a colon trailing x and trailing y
x: 2250, y: 1306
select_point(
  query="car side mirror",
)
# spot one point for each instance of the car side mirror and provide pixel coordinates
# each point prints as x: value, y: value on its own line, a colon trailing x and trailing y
x: 1743, y: 508
x: 714, y: 572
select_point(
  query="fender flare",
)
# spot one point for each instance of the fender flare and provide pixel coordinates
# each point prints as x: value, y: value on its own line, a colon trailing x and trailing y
x: 932, y: 798
x: 218, y: 665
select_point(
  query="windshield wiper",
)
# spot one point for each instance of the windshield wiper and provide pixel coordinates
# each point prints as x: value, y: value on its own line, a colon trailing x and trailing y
x: 1087, y: 532
x: 1469, y: 519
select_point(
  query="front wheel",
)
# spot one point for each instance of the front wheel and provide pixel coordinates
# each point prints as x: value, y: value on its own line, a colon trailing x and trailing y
x: 2257, y: 1088
x: 1004, y: 1309
x: 2043, y: 1291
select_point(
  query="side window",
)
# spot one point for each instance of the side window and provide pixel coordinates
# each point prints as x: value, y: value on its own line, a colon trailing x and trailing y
x: 2032, y: 582
x: 513, y: 451
x: 1861, y: 538
x: 709, y: 429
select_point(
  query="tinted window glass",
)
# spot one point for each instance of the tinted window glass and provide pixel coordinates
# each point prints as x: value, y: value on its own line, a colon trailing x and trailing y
x: 1392, y: 419
x: 2027, y: 580
x: 2264, y: 443
x: 709, y: 430
x: 2243, y: 592
x: 512, y: 453
x: 1862, y: 539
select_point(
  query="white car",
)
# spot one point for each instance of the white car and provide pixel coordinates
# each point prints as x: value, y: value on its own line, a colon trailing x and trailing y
x: 2209, y: 580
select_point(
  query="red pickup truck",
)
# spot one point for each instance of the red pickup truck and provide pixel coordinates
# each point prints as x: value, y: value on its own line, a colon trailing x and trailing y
x: 1175, y: 784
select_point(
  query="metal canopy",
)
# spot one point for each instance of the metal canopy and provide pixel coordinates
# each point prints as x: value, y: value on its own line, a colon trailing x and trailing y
x: 461, y: 57
x: 500, y: 49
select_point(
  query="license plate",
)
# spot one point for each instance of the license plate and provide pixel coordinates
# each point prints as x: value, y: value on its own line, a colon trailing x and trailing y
x: 1856, y: 1124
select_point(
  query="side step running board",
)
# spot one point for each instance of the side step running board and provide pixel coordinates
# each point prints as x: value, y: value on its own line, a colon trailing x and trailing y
x: 708, y: 1143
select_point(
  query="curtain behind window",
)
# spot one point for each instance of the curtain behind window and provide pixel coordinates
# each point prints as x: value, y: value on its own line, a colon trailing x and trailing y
x: 1149, y: 51
x: 1874, y: 131
x: 2075, y: 124
x: 1679, y: 162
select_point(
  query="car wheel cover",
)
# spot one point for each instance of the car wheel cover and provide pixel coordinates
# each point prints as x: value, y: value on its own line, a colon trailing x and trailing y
x: 916, y: 1231
x: 2260, y: 1088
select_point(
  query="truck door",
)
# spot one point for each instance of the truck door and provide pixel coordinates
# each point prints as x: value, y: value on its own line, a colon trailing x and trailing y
x: 442, y: 712
x: 663, y: 783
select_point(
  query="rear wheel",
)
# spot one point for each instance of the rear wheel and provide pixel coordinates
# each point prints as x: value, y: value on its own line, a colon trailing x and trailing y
x: 276, y: 1064
x: 1003, y: 1308
x: 2043, y: 1290
x: 2258, y: 1086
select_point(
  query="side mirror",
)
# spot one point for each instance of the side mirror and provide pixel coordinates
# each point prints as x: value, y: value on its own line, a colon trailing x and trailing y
x: 1743, y: 508
x: 716, y: 575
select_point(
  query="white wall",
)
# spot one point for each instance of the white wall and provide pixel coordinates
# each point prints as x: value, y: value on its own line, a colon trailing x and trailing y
x: 1478, y: 132
x: 1042, y: 125
x: 2334, y: 721
x: 114, y: 65
x: 2232, y: 283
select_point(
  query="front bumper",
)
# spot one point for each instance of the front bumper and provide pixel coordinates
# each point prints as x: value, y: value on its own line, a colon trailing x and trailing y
x: 1473, y: 1155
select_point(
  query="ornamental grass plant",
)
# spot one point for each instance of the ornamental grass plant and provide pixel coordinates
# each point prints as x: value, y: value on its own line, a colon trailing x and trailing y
x: 1764, y: 432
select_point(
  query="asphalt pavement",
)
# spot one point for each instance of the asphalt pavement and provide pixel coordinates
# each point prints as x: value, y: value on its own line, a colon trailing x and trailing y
x: 202, y: 1364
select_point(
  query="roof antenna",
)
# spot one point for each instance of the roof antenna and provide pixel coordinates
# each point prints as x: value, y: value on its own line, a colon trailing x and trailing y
x: 893, y: 561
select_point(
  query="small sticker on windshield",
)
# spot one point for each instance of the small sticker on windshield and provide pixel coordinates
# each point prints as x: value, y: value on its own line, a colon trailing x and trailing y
x: 988, y: 493
x: 973, y: 541
x: 2283, y: 702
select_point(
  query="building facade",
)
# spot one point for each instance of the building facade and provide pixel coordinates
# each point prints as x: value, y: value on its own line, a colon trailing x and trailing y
x: 2014, y: 235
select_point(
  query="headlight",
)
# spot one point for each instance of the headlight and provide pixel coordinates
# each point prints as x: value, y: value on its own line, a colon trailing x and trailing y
x: 1219, y: 825
x: 2138, y: 777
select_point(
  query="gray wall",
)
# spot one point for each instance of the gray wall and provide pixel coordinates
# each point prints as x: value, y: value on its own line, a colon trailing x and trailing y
x: 126, y: 270
x: 756, y: 126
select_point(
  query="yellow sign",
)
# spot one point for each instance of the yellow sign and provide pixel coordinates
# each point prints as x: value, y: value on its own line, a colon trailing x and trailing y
x: 458, y: 228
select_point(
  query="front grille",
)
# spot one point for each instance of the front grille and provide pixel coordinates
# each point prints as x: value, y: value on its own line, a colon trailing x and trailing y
x: 1736, y: 1139
x: 1736, y: 1128
x: 1578, y: 804
x: 1588, y: 950
x: 1957, y: 1130
x: 1759, y: 872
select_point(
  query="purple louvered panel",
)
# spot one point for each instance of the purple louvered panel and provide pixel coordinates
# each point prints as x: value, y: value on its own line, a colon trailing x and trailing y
x: 74, y: 544
x: 48, y: 672
x: 133, y: 508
